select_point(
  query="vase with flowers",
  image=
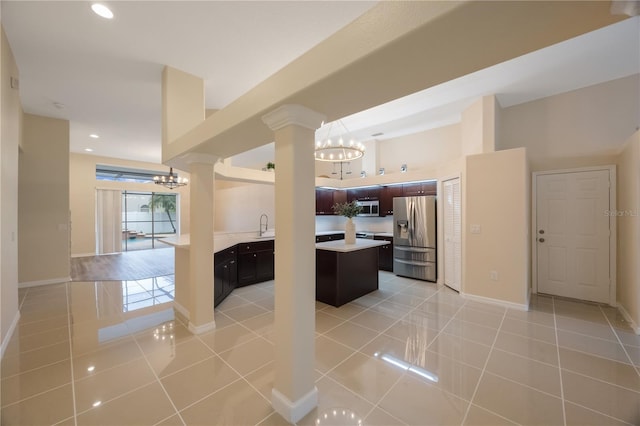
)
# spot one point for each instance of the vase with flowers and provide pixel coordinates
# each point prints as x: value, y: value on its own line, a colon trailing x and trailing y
x: 348, y: 210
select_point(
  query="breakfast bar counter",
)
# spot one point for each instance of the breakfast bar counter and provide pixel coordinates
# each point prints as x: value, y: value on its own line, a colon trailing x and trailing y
x: 345, y: 272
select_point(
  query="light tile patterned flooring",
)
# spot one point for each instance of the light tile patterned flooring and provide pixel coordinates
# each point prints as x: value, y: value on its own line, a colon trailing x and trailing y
x: 410, y: 353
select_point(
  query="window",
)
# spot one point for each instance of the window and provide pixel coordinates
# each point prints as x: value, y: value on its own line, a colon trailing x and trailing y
x: 123, y: 174
x: 147, y: 216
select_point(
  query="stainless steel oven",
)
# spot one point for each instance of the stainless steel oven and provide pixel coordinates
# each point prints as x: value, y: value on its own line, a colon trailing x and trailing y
x: 369, y: 208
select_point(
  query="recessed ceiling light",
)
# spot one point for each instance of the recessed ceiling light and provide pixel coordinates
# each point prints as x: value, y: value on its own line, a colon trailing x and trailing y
x: 88, y: 149
x: 102, y: 10
x: 94, y: 136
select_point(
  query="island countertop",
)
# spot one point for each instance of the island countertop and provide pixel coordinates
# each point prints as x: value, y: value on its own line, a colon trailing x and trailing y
x: 339, y: 245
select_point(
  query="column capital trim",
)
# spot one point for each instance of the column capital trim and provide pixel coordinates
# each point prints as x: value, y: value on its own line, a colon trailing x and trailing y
x: 185, y: 161
x: 289, y: 114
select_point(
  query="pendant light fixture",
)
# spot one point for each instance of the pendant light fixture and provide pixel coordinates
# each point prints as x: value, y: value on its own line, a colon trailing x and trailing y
x: 336, y: 144
x: 171, y: 181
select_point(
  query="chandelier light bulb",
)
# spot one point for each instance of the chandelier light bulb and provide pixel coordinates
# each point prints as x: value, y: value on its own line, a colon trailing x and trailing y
x: 336, y: 146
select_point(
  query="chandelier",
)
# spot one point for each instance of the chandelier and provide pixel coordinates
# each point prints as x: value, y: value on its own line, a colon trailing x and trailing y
x: 171, y: 180
x: 339, y: 147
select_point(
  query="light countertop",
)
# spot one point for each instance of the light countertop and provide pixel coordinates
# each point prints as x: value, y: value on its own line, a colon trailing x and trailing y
x: 339, y: 245
x: 329, y: 232
x: 223, y: 241
x: 383, y: 234
x: 220, y: 241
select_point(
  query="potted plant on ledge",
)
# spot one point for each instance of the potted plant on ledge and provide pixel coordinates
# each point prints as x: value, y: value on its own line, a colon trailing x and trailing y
x: 271, y: 167
x: 348, y: 210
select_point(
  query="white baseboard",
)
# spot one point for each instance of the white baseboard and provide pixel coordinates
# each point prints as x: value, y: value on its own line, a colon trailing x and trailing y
x: 10, y: 331
x: 44, y: 282
x: 503, y: 303
x: 294, y: 411
x: 630, y: 320
x: 181, y: 310
x: 199, y: 329
x: 83, y: 255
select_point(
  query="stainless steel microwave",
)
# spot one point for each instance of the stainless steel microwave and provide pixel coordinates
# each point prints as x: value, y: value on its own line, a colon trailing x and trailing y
x: 369, y: 208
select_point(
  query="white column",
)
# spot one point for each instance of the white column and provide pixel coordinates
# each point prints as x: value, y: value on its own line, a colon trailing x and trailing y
x: 294, y: 393
x: 201, y: 194
x: 183, y: 109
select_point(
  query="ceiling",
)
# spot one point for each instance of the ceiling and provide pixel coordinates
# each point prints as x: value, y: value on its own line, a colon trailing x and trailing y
x: 107, y: 81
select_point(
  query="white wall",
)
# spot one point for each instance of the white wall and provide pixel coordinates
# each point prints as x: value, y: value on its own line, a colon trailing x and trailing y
x: 580, y: 128
x: 10, y: 134
x: 43, y: 225
x: 370, y: 224
x: 238, y: 206
x: 628, y: 252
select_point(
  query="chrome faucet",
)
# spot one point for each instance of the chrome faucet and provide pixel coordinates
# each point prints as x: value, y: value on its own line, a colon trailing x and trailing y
x: 266, y: 223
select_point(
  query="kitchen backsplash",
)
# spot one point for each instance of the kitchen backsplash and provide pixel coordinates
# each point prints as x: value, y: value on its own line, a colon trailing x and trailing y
x: 371, y: 224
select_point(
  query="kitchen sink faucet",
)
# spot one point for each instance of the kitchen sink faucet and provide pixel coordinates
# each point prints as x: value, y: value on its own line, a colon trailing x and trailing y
x: 266, y: 223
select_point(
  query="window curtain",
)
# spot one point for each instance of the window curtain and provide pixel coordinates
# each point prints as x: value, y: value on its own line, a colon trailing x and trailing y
x: 108, y: 221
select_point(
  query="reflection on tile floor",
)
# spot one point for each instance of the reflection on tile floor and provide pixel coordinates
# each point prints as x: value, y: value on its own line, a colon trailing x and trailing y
x: 111, y: 353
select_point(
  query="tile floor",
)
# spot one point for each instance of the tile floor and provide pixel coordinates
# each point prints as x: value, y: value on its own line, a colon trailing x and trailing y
x: 110, y: 353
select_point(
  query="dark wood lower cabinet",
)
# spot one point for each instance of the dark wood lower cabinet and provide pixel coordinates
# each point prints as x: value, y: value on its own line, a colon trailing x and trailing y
x: 225, y: 271
x: 385, y: 254
x: 329, y: 237
x: 255, y: 262
x: 343, y: 277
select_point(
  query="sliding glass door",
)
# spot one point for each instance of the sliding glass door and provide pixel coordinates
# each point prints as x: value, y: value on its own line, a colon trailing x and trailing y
x: 147, y: 216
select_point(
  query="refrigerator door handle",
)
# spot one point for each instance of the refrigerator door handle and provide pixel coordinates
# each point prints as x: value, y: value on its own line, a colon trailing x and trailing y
x: 414, y: 249
x: 413, y: 262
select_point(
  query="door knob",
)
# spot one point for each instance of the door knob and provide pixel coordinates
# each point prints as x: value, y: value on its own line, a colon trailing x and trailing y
x: 541, y: 240
x: 541, y: 231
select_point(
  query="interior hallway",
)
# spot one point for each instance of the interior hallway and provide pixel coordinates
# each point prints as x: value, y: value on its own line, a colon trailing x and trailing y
x: 409, y: 353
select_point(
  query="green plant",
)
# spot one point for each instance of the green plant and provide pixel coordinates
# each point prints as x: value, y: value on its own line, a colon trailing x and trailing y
x: 271, y: 165
x: 167, y: 202
x: 349, y: 210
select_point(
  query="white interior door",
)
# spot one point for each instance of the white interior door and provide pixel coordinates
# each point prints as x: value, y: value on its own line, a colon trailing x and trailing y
x: 572, y: 235
x: 452, y: 234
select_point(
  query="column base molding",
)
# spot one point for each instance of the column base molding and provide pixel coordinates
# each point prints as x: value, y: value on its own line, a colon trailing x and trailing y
x: 203, y: 328
x: 294, y: 411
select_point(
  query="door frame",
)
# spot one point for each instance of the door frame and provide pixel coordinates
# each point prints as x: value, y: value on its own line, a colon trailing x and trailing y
x: 441, y: 237
x: 612, y: 225
x: 440, y: 227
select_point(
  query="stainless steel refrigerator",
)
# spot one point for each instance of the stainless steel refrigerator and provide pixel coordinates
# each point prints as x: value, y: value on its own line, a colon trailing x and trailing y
x: 414, y: 237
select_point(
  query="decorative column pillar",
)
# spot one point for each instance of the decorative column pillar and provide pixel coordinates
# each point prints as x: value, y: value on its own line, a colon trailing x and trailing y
x: 182, y: 110
x: 201, y: 194
x: 294, y: 393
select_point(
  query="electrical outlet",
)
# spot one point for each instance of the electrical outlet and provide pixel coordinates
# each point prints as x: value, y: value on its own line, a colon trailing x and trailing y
x: 475, y: 229
x: 493, y: 275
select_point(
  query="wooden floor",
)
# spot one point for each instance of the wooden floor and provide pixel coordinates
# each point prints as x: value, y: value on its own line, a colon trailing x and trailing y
x: 131, y: 265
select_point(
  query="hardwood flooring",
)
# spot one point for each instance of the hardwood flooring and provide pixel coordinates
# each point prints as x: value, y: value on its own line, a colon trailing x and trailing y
x: 132, y: 265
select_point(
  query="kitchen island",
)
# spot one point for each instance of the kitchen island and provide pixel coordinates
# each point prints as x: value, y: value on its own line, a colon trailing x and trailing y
x: 345, y: 272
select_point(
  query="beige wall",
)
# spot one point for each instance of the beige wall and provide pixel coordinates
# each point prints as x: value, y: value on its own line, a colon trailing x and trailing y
x: 628, y: 252
x: 478, y: 126
x: 496, y: 199
x: 43, y: 224
x: 10, y: 134
x: 83, y: 184
x: 238, y: 206
x: 581, y: 128
x: 421, y: 151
